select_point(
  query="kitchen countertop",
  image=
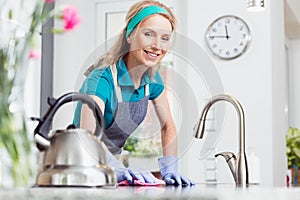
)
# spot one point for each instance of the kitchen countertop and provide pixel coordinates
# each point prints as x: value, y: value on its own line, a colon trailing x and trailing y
x: 199, y: 191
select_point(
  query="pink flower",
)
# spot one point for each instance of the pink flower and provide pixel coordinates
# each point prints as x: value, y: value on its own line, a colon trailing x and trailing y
x: 49, y: 1
x: 34, y: 54
x: 70, y: 17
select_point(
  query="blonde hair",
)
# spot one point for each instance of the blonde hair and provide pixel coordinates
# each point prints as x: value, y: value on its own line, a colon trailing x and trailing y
x: 121, y: 47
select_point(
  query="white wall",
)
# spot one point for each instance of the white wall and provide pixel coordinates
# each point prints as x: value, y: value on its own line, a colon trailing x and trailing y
x: 70, y: 54
x: 256, y: 80
x: 278, y: 68
x: 294, y: 55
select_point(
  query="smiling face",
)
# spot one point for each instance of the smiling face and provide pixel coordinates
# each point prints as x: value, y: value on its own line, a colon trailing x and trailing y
x: 149, y: 42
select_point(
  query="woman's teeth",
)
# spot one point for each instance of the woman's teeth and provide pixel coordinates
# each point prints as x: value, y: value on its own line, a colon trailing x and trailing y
x: 151, y: 54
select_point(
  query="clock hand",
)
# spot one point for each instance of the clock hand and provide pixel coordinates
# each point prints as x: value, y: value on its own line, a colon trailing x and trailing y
x: 218, y: 36
x: 226, y: 32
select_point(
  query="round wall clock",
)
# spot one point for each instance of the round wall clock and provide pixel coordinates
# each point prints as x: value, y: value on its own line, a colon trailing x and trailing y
x: 228, y: 37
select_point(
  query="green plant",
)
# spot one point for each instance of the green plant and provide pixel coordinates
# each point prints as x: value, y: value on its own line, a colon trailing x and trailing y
x: 130, y: 144
x: 142, y: 147
x: 293, y: 147
x: 20, y: 27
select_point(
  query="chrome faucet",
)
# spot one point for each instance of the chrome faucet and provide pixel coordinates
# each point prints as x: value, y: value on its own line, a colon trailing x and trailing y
x: 238, y: 165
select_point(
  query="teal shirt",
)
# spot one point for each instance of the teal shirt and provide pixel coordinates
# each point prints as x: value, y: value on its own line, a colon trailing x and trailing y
x: 100, y: 83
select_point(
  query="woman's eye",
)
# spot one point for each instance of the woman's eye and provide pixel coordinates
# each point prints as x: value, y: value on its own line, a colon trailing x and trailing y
x: 149, y: 34
x: 165, y: 39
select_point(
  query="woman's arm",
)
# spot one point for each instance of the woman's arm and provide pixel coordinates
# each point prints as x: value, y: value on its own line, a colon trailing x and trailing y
x: 168, y: 132
x: 87, y: 119
x: 168, y: 164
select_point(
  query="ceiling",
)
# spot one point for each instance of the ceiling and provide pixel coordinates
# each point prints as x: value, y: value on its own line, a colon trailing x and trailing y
x: 292, y: 19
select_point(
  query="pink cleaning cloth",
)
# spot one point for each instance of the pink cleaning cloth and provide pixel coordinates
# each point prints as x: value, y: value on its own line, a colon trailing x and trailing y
x: 141, y: 183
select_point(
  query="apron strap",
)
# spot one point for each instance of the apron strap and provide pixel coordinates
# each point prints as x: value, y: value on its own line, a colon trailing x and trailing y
x: 147, y: 90
x: 113, y: 70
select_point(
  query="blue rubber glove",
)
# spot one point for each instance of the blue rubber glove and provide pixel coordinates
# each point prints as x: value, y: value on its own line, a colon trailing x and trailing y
x: 119, y: 169
x: 142, y: 175
x: 168, y: 166
x: 131, y: 174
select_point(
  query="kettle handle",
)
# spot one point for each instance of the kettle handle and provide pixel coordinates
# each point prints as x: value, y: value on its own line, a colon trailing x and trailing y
x: 43, y: 128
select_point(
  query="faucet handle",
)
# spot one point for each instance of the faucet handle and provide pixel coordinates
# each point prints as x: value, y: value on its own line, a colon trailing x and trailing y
x: 231, y: 161
x: 226, y: 155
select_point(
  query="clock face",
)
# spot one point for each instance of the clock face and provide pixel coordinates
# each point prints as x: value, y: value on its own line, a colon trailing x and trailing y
x: 228, y: 37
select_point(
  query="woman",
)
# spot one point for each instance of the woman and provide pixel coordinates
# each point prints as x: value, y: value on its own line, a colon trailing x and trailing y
x: 125, y: 79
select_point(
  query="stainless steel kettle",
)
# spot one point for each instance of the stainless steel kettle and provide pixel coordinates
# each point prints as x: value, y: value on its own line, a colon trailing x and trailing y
x: 72, y: 157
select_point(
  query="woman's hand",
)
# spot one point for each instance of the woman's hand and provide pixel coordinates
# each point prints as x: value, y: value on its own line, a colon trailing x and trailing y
x: 142, y: 175
x: 129, y: 174
x: 168, y: 166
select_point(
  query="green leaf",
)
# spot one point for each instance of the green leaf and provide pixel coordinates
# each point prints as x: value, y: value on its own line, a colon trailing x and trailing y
x: 288, y: 150
x: 57, y: 31
x: 293, y: 146
x: 297, y: 152
x: 10, y: 14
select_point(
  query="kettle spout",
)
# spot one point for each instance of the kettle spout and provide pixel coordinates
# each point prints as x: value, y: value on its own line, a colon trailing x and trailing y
x: 231, y: 161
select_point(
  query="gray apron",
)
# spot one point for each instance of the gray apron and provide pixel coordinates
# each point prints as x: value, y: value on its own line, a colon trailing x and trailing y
x: 128, y: 116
